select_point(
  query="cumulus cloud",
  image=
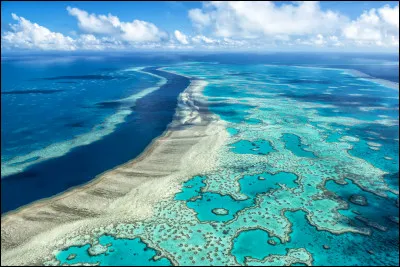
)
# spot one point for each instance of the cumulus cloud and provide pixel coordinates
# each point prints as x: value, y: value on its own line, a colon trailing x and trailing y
x: 334, y: 40
x: 27, y: 35
x: 199, y: 18
x: 135, y: 31
x: 91, y: 42
x: 390, y: 15
x: 246, y: 19
x: 203, y: 39
x: 365, y: 28
x: 101, y: 32
x: 375, y: 27
x: 218, y: 25
x: 182, y: 38
x: 94, y: 24
x: 319, y: 40
x: 302, y: 21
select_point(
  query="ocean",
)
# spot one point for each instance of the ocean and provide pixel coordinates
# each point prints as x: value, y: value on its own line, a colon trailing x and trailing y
x: 59, y: 131
x: 307, y: 175
x: 64, y: 123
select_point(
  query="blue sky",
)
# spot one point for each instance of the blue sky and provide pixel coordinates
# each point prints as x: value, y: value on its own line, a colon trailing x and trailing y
x: 341, y: 26
x: 53, y: 15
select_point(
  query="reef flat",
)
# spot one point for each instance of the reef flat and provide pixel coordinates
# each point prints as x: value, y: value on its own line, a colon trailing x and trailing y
x: 257, y: 168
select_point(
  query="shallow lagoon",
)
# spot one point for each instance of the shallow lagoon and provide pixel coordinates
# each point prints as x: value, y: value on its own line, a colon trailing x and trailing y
x: 258, y: 147
x: 293, y: 143
x: 113, y: 252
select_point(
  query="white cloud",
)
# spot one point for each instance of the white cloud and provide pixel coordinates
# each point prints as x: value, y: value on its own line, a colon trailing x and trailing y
x: 182, y: 38
x: 91, y: 42
x: 334, y: 40
x: 375, y: 27
x: 302, y: 21
x: 390, y: 15
x: 320, y: 40
x: 199, y: 18
x: 135, y: 31
x: 94, y: 24
x: 28, y: 35
x: 246, y: 19
x: 229, y: 41
x: 365, y: 28
x: 218, y: 25
x: 203, y: 39
x: 141, y: 31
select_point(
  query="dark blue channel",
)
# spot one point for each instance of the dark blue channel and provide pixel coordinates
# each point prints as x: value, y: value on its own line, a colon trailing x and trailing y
x: 150, y: 118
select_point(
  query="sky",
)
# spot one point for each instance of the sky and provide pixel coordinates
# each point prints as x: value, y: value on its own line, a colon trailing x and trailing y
x: 203, y: 26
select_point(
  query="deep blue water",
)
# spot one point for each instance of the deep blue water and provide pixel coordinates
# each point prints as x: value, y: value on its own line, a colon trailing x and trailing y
x: 151, y: 115
x: 52, y: 98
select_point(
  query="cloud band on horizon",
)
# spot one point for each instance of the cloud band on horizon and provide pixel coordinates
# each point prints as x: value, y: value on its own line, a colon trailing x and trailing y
x: 218, y: 25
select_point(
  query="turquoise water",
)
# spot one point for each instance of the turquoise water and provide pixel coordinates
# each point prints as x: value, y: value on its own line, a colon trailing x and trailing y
x: 254, y: 243
x: 191, y: 188
x: 205, y: 205
x: 251, y: 185
x: 378, y: 209
x: 362, y: 149
x: 345, y: 249
x: 301, y: 142
x: 258, y: 147
x: 293, y: 143
x: 115, y: 252
x: 232, y: 131
x: 334, y: 137
x: 232, y: 112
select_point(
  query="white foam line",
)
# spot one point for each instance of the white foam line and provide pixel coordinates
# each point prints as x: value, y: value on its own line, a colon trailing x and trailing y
x: 99, y: 131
